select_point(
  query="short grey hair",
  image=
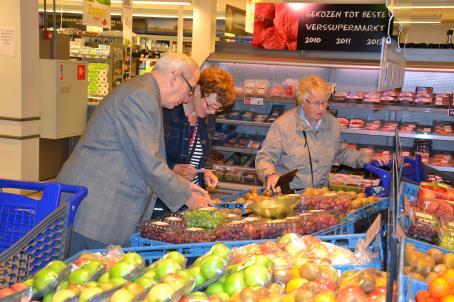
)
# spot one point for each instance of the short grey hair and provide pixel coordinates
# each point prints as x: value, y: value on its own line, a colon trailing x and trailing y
x: 174, y: 61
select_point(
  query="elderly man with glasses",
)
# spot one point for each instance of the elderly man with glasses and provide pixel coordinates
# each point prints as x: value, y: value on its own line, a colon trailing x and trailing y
x: 121, y: 157
x: 189, y: 129
x: 306, y: 139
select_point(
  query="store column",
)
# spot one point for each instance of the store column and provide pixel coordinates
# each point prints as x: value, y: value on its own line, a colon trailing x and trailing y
x: 19, y: 87
x: 203, y: 29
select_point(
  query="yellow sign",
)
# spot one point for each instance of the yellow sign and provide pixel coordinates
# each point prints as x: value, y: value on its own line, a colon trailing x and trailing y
x: 97, y: 13
x: 249, y: 22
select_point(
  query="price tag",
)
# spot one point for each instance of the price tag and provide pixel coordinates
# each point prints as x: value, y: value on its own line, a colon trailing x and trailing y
x: 248, y: 100
x: 409, y: 210
x: 451, y: 112
x: 373, y: 231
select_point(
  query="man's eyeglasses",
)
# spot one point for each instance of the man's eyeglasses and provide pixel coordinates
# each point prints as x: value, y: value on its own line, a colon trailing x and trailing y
x: 191, y: 89
x: 317, y: 104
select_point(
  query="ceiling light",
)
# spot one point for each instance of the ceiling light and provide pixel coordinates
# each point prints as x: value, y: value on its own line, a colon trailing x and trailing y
x: 421, y: 7
x: 422, y: 20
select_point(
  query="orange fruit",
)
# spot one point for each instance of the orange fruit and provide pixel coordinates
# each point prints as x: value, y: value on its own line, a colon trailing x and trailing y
x: 439, y: 287
x: 448, y: 275
x: 448, y: 298
x: 422, y: 295
x: 294, y: 284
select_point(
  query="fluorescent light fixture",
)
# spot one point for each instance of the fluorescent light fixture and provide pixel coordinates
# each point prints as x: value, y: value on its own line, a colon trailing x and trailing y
x: 162, y: 2
x: 421, y: 20
x: 422, y: 7
x: 119, y: 14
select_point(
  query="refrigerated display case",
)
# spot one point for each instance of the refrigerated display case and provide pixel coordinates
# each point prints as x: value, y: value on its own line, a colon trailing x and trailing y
x: 275, y: 72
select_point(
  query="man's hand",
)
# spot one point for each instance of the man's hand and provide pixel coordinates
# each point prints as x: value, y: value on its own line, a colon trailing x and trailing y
x: 199, y: 198
x: 271, y: 183
x: 382, y: 160
x: 211, y: 180
x: 185, y: 170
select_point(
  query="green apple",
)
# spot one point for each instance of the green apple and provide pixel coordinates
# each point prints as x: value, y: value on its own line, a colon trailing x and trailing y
x: 185, y: 275
x: 118, y: 281
x: 160, y: 292
x: 222, y: 279
x: 222, y: 295
x: 62, y: 295
x: 121, y: 269
x: 263, y: 261
x: 133, y: 258
x: 57, y: 266
x: 221, y: 250
x: 63, y: 285
x: 197, y: 274
x: 146, y: 282
x: 166, y: 266
x: 177, y: 258
x: 234, y: 283
x: 104, y: 278
x: 93, y: 266
x: 79, y: 276
x: 122, y: 295
x: 214, y: 288
x: 88, y: 292
x: 211, y: 266
x: 29, y: 282
x: 48, y: 297
x: 199, y: 295
x: 91, y: 284
x: 44, y: 278
x: 150, y: 274
x: 256, y: 275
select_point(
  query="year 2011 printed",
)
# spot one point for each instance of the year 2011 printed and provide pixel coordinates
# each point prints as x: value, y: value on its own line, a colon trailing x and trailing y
x: 343, y: 41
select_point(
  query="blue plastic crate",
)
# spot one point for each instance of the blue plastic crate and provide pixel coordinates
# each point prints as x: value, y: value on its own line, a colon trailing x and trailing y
x: 369, y: 210
x: 19, y: 213
x: 43, y: 243
x: 409, y: 287
x: 408, y: 190
x: 153, y: 253
x: 424, y: 247
x: 346, y: 227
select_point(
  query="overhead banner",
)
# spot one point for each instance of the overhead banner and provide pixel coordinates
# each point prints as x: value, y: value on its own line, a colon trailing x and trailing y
x: 126, y: 19
x: 234, y: 20
x: 96, y: 13
x: 309, y: 26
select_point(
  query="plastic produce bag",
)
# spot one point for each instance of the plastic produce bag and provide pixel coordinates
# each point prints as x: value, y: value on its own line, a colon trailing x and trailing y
x: 424, y: 227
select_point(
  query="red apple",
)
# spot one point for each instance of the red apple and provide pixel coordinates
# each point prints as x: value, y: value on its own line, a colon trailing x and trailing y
x: 351, y: 294
x: 6, y: 292
x: 377, y: 295
x: 325, y: 284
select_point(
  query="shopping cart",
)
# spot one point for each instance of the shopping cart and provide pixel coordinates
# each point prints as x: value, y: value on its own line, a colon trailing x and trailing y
x: 34, y: 232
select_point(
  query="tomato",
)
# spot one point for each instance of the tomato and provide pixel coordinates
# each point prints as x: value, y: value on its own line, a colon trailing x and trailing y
x: 448, y: 275
x: 438, y: 287
x: 422, y: 295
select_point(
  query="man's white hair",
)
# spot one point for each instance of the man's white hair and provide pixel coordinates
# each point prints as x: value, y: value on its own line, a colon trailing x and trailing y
x: 174, y: 61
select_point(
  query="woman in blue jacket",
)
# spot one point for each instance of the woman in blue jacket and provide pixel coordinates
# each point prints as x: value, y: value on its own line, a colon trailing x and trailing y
x: 189, y: 128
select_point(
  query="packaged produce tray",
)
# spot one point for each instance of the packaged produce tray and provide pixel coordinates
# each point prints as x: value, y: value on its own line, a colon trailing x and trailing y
x: 153, y: 253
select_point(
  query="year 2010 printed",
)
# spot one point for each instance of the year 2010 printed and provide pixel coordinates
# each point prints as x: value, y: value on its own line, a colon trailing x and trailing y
x: 312, y: 40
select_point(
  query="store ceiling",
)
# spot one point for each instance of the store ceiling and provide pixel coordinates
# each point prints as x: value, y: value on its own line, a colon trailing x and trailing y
x: 445, y: 14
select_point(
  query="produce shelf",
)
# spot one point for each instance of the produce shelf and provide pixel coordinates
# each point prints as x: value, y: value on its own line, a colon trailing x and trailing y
x: 229, y: 167
x: 240, y: 122
x: 235, y: 149
x: 236, y: 186
x: 401, y: 134
x: 443, y: 169
x: 334, y: 105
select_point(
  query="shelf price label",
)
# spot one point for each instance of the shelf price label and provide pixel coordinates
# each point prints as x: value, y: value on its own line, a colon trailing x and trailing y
x: 248, y: 100
x: 451, y: 112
